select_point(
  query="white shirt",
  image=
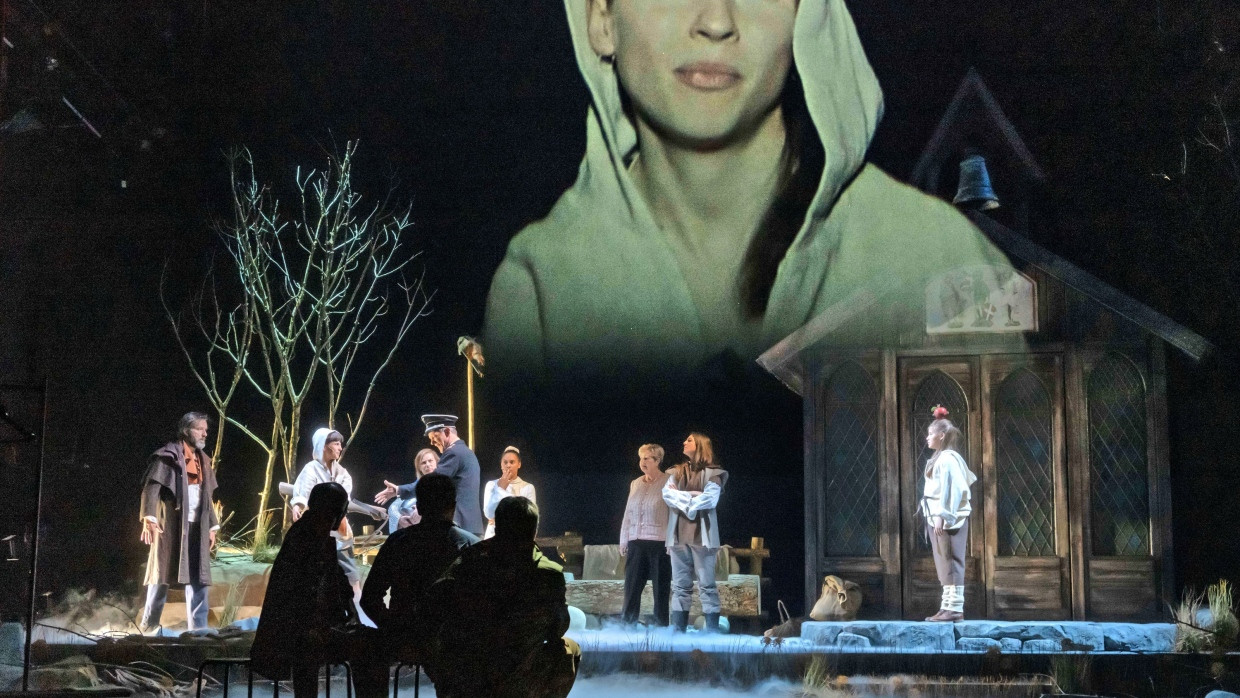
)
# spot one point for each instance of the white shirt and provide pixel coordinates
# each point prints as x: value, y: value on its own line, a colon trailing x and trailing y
x: 947, y: 492
x: 315, y: 473
x: 492, y: 494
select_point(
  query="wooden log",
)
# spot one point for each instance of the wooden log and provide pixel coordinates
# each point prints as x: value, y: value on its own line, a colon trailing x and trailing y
x: 740, y: 595
x: 355, y: 506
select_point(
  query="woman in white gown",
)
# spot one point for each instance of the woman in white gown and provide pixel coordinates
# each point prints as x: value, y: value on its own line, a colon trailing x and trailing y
x: 509, y: 484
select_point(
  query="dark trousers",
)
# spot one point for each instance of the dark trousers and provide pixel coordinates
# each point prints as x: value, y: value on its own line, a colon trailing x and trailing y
x: 647, y: 559
x: 362, y: 648
x: 547, y: 672
x: 949, y: 552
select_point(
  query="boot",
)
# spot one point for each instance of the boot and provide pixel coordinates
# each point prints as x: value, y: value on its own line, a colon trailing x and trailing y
x: 945, y: 604
x: 712, y: 623
x: 680, y: 620
x: 952, y: 607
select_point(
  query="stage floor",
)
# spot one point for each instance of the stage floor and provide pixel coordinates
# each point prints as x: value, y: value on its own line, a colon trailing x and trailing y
x: 961, y: 659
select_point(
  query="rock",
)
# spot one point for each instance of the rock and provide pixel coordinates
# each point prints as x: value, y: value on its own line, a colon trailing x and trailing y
x: 909, y: 636
x: 977, y: 644
x: 1081, y: 636
x: 919, y: 637
x: 1009, y: 644
x: 852, y: 640
x: 1042, y: 645
x: 576, y: 618
x: 12, y: 644
x: 820, y: 632
x: 1140, y: 637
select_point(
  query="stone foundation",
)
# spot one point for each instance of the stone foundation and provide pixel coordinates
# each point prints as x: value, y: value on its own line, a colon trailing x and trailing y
x: 987, y: 636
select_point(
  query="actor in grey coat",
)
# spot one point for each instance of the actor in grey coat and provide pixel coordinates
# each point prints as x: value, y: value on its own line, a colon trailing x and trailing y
x: 179, y: 523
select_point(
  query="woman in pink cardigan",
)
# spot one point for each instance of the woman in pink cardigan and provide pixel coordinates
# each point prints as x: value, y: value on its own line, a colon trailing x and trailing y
x: 643, y: 535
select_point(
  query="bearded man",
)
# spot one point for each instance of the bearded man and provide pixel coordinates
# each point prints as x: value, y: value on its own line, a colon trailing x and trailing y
x: 179, y: 523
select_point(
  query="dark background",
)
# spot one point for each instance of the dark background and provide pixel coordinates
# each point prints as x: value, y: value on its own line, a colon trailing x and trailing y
x: 475, y: 111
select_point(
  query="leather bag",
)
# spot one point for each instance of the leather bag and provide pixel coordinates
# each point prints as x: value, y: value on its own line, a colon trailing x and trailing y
x: 840, y: 600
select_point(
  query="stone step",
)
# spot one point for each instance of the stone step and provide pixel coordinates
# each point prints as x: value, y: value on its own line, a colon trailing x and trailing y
x: 989, y: 635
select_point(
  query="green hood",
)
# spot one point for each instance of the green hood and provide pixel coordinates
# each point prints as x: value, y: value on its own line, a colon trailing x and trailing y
x: 594, y: 289
x: 841, y: 91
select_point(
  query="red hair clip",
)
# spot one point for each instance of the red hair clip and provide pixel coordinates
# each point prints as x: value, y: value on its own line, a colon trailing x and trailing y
x: 939, y: 412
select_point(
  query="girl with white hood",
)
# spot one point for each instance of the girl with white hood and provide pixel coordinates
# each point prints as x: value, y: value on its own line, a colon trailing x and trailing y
x: 328, y: 446
x: 946, y: 504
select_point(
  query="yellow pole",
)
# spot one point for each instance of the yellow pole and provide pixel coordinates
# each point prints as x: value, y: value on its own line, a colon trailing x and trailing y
x: 469, y: 390
x: 472, y: 351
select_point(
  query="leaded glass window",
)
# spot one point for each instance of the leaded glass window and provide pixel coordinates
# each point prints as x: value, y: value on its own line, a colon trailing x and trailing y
x: 938, y: 388
x: 1024, y: 480
x: 1119, y: 469
x: 850, y: 467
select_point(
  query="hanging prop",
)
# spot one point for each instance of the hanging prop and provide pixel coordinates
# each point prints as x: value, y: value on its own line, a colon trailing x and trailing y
x: 974, y: 191
x: 472, y: 351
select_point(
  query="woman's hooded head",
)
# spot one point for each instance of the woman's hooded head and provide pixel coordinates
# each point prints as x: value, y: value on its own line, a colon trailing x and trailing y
x: 320, y: 440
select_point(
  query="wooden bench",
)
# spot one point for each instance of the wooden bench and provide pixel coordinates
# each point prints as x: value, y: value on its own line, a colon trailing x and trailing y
x: 740, y: 595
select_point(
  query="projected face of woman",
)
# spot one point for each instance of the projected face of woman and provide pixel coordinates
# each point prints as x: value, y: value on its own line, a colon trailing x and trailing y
x: 699, y: 72
x: 934, y: 439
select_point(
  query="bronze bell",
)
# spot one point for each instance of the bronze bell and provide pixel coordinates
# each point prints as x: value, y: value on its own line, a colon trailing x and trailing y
x: 975, y: 192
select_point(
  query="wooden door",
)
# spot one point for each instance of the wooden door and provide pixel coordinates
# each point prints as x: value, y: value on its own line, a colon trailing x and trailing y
x: 1121, y: 495
x: 850, y: 503
x: 926, y: 381
x: 1024, y: 497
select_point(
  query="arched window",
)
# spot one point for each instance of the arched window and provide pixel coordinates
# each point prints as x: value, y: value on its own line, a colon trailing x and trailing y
x: 1024, y: 481
x: 850, y: 467
x: 938, y: 388
x: 1118, y: 462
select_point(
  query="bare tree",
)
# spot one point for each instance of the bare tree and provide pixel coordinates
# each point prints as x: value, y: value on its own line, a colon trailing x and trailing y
x: 227, y: 336
x: 318, y: 289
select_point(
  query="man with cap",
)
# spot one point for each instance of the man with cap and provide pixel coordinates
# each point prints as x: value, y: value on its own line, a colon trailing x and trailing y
x: 458, y: 463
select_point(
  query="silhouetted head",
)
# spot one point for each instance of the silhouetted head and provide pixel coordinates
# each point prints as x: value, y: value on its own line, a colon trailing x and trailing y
x: 327, y: 505
x: 516, y: 519
x: 436, y: 496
